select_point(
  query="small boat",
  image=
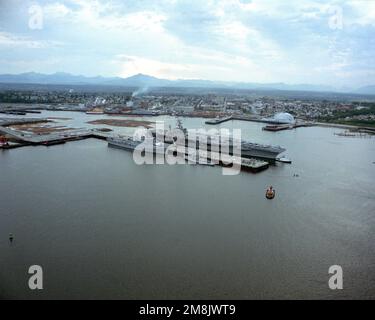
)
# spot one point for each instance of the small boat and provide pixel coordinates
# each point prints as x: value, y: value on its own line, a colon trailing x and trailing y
x: 270, y: 193
x: 284, y: 160
x: 277, y: 127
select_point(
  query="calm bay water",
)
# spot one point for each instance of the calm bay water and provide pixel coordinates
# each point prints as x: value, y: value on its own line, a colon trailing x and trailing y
x: 103, y: 227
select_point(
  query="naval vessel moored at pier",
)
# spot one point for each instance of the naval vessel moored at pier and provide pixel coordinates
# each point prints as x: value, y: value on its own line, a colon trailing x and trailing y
x: 248, y: 149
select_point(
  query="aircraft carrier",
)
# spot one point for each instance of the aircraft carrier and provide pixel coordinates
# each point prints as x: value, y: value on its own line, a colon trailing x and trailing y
x: 248, y: 149
x: 214, y: 143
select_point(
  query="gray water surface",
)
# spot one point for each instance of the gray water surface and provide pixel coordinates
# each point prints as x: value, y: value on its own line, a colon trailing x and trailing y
x: 103, y: 227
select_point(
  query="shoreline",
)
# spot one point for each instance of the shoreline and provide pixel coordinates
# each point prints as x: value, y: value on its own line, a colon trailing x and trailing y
x: 214, y: 115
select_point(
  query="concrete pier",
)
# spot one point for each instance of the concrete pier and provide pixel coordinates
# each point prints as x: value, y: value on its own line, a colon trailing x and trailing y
x: 217, y: 121
x: 52, y: 138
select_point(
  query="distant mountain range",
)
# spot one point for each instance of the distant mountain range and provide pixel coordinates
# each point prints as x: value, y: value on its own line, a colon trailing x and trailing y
x: 142, y: 81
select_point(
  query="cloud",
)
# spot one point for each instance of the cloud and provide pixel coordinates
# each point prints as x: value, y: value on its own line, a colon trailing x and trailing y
x: 108, y: 16
x: 56, y: 11
x: 360, y: 12
x: 131, y: 65
x: 219, y: 66
x: 255, y: 41
x: 28, y: 65
x: 16, y: 41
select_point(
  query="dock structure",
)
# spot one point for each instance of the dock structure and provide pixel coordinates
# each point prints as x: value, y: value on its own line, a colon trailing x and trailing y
x: 21, y: 111
x: 270, y: 127
x: 254, y: 118
x: 234, y: 117
x: 280, y: 127
x: 249, y: 118
x: 4, y: 122
x: 247, y: 164
x: 23, y: 138
x: 12, y: 145
x: 345, y: 126
x: 52, y: 138
x: 41, y: 139
x: 219, y: 120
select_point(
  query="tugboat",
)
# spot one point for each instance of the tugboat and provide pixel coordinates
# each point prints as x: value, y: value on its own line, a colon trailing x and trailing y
x: 270, y: 193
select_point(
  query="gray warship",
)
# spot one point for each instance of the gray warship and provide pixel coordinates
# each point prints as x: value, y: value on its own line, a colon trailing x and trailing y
x: 248, y: 149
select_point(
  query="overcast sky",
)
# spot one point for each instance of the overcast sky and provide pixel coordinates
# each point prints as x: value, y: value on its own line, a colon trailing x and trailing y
x: 294, y: 41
